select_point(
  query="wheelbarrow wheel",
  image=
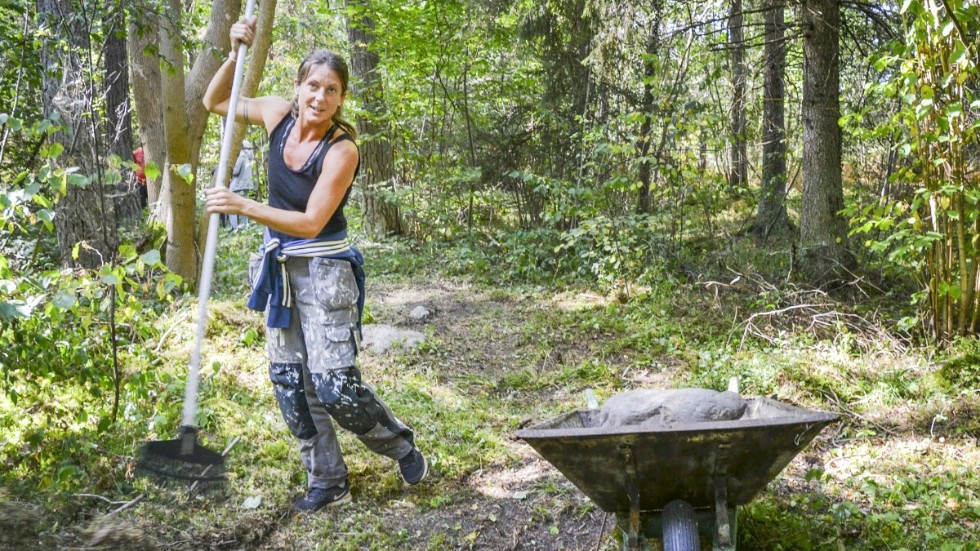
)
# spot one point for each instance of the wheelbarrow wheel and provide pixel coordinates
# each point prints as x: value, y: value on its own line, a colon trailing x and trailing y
x: 680, y: 527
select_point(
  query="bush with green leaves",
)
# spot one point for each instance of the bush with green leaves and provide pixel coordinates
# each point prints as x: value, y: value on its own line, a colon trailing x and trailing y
x: 66, y: 334
x: 931, y: 226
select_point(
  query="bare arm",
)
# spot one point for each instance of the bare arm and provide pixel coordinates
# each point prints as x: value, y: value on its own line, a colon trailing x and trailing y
x: 338, y: 173
x: 267, y: 111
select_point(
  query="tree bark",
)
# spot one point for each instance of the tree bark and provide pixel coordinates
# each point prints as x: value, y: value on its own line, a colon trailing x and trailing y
x: 85, y: 214
x: 257, y: 56
x: 144, y: 62
x: 381, y: 216
x: 118, y: 111
x: 771, y: 217
x: 176, y: 192
x: 644, y: 205
x: 736, y: 41
x: 172, y: 129
x: 824, y: 254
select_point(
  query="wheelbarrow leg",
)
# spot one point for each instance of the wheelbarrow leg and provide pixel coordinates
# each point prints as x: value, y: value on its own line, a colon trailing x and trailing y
x: 633, y: 492
x: 723, y: 538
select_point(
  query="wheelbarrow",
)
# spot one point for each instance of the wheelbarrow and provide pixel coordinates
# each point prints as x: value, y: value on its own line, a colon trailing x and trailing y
x: 681, y: 481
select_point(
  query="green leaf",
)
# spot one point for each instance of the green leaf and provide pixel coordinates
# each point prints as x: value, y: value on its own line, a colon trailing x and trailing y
x: 52, y: 151
x: 151, y: 258
x: 186, y: 171
x: 906, y: 4
x: 152, y: 171
x: 959, y: 55
x: 64, y: 300
x: 67, y: 473
x: 922, y: 110
x: 15, y: 309
x: 78, y: 180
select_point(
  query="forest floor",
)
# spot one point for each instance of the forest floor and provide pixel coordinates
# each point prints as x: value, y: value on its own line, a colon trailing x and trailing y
x: 897, y: 470
x: 513, y: 499
x: 509, y: 499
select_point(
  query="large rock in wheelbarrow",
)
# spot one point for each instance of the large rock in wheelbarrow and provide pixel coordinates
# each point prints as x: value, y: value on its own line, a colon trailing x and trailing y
x: 661, y: 461
x: 650, y: 408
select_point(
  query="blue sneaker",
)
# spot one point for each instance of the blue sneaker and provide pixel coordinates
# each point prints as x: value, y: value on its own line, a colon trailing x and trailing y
x: 413, y: 467
x: 318, y: 498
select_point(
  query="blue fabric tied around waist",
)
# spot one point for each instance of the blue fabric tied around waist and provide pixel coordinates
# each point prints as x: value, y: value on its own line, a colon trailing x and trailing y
x: 272, y: 288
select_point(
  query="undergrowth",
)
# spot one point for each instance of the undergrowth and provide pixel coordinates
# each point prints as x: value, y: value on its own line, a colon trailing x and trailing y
x: 897, y: 471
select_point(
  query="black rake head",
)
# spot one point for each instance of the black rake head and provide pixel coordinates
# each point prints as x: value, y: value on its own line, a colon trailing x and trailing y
x: 182, y: 458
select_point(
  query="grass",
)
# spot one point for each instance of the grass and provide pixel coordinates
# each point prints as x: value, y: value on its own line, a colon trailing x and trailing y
x: 898, y: 471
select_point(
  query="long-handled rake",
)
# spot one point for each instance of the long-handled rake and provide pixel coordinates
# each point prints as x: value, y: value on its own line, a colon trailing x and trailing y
x: 184, y: 457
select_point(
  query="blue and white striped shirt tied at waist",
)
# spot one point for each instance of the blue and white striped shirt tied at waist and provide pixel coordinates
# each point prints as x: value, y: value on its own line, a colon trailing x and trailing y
x: 272, y: 287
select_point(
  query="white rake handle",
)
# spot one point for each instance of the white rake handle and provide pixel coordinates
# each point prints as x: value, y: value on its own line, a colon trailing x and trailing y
x: 207, y: 269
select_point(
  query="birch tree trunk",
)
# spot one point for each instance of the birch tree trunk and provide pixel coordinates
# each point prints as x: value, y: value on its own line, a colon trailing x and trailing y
x: 141, y: 41
x: 172, y: 117
x: 257, y: 56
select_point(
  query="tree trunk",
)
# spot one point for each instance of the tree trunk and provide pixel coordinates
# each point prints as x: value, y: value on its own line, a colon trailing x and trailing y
x: 85, y: 214
x: 141, y: 41
x: 257, y: 56
x: 771, y: 215
x: 381, y: 217
x: 643, y: 205
x: 176, y: 192
x: 736, y: 42
x: 172, y: 117
x: 824, y: 254
x: 118, y: 112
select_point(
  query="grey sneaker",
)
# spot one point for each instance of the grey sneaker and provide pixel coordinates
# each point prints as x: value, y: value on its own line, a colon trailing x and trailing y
x: 318, y: 498
x: 413, y: 467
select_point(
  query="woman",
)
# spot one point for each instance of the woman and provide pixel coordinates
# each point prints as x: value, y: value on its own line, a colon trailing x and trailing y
x: 309, y: 279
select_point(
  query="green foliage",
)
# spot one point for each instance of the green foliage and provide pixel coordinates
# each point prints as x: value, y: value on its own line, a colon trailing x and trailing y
x: 930, y: 228
x: 615, y: 251
x: 59, y: 325
x: 518, y: 160
x: 962, y: 369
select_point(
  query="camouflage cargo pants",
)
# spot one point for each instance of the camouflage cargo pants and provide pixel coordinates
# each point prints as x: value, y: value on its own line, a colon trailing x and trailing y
x: 313, y: 374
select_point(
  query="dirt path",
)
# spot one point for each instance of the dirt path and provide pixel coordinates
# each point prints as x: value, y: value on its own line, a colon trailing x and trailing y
x: 527, y: 505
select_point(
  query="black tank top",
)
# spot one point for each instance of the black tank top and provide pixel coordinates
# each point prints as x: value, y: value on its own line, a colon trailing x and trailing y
x: 290, y: 189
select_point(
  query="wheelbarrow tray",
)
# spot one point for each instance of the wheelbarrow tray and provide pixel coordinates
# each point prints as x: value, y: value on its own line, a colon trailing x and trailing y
x: 690, y: 461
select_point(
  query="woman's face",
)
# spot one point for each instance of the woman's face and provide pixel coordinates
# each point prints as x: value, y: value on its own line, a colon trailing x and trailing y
x: 319, y: 94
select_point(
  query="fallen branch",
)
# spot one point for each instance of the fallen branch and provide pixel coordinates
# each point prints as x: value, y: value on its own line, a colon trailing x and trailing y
x: 103, y: 498
x: 128, y: 504
x: 750, y: 326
